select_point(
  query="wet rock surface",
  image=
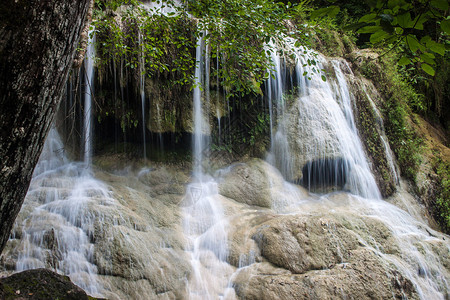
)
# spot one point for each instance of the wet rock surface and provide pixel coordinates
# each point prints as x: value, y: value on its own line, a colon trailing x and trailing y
x: 282, y: 243
x: 250, y: 183
x: 365, y: 276
x: 319, y: 257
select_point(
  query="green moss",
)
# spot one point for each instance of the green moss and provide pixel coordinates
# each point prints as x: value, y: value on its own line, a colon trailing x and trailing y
x: 442, y: 204
x: 367, y: 125
x: 397, y: 95
x: 329, y: 42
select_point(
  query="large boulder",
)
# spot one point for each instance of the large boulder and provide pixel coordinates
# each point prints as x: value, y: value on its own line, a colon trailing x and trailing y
x: 365, y: 276
x: 258, y: 183
x: 337, y: 247
x: 40, y: 284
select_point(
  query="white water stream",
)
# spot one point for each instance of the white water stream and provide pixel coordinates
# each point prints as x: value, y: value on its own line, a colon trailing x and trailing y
x: 88, y: 95
x: 204, y: 223
x: 62, y: 214
x: 57, y: 232
x: 319, y: 128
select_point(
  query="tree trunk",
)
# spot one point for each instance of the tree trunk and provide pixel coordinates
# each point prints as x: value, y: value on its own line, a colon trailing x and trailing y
x: 38, y: 39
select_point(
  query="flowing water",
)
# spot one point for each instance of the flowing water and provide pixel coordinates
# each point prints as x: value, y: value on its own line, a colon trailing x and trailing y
x: 314, y: 142
x: 57, y: 231
x: 88, y: 95
x: 318, y: 132
x: 204, y: 222
x: 323, y: 126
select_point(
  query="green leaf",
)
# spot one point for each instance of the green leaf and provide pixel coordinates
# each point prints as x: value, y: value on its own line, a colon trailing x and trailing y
x: 393, y: 3
x: 426, y: 58
x: 440, y: 4
x: 445, y: 26
x: 437, y: 48
x: 404, y: 61
x: 404, y: 19
x: 399, y: 30
x: 378, y: 36
x: 418, y: 23
x: 425, y: 40
x: 324, y: 78
x: 369, y: 29
x: 428, y: 69
x: 355, y: 27
x: 330, y: 11
x: 413, y: 43
x: 367, y: 18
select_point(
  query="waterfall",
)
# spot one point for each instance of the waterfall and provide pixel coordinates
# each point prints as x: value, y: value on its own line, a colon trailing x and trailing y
x: 389, y: 154
x: 316, y: 135
x: 198, y: 111
x: 88, y: 95
x: 279, y: 151
x: 57, y: 232
x: 243, y: 231
x: 204, y: 223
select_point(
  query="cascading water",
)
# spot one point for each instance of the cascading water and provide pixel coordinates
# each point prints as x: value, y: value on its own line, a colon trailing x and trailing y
x: 57, y: 232
x: 280, y: 152
x: 319, y: 131
x: 320, y: 127
x: 88, y: 95
x: 71, y: 223
x: 199, y: 122
x: 389, y: 154
x: 204, y: 222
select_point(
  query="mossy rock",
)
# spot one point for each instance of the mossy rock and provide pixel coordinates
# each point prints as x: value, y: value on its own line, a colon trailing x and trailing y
x: 40, y: 284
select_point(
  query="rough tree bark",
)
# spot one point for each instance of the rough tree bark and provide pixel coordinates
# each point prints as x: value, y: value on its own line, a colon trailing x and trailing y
x: 38, y: 39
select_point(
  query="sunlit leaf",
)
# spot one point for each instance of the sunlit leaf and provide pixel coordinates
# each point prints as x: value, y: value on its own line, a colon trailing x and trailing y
x: 412, y: 42
x: 427, y: 59
x: 367, y: 18
x: 404, y: 61
x: 428, y: 69
x: 369, y: 29
x: 399, y: 30
x: 378, y: 36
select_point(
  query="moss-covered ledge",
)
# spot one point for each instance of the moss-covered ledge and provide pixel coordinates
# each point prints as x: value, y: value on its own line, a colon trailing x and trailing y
x: 370, y: 131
